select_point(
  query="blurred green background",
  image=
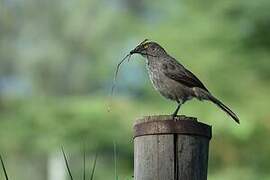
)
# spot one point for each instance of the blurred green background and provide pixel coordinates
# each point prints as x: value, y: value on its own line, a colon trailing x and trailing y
x: 57, y: 61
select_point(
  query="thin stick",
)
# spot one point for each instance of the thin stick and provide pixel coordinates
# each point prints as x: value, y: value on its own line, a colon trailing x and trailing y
x: 119, y: 64
x: 117, y: 70
x: 118, y: 67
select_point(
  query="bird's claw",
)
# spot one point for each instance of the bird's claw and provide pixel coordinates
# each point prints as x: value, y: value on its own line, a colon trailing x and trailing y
x: 174, y: 117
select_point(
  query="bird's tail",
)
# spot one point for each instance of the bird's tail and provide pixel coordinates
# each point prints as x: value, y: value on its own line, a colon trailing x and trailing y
x: 224, y: 108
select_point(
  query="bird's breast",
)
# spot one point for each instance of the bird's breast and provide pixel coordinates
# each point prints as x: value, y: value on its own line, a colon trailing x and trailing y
x: 165, y: 86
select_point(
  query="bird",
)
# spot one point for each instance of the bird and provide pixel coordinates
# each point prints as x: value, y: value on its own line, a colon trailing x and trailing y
x: 172, y: 80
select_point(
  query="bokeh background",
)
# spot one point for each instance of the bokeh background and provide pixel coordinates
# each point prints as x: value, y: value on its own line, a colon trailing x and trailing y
x: 57, y: 61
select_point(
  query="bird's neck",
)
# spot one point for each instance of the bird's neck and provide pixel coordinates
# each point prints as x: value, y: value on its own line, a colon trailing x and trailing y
x: 151, y: 59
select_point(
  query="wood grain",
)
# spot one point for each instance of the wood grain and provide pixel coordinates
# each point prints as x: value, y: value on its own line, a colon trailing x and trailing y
x: 172, y: 156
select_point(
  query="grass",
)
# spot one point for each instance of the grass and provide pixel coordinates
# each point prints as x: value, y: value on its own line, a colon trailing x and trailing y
x: 67, y: 164
x: 84, y: 172
x: 4, y: 168
x: 115, y: 161
x: 84, y: 166
x: 94, y: 167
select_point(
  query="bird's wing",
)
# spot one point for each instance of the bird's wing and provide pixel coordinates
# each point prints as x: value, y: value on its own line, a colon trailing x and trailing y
x: 180, y: 74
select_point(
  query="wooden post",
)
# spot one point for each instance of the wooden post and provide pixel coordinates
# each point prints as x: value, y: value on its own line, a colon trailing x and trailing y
x: 167, y: 149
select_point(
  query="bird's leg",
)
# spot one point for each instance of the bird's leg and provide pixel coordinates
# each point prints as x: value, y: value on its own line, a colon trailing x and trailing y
x: 176, y: 111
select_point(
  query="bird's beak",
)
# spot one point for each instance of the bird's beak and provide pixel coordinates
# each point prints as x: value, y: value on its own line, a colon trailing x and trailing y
x: 133, y: 51
x: 138, y: 50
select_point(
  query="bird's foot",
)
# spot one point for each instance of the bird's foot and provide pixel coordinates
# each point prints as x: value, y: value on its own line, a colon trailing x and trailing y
x: 174, y: 117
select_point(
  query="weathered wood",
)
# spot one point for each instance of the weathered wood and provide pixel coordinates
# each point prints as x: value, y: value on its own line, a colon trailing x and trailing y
x: 154, y: 157
x: 192, y: 157
x: 166, y: 149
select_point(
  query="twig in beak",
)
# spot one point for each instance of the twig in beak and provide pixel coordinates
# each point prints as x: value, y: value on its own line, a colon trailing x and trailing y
x: 117, y: 70
x: 128, y: 56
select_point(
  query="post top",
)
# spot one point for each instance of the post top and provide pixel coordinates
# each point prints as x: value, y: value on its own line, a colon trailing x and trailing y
x: 165, y: 124
x: 163, y: 117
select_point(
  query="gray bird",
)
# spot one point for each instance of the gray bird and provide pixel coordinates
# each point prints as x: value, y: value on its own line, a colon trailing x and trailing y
x: 172, y: 80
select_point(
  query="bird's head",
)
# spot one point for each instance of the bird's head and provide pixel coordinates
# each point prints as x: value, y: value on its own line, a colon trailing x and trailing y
x: 149, y: 48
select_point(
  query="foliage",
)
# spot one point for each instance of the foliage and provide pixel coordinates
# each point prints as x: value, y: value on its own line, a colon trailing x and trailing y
x: 57, y: 60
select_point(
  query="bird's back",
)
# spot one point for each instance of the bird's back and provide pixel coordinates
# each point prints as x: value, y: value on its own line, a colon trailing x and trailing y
x: 167, y: 87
